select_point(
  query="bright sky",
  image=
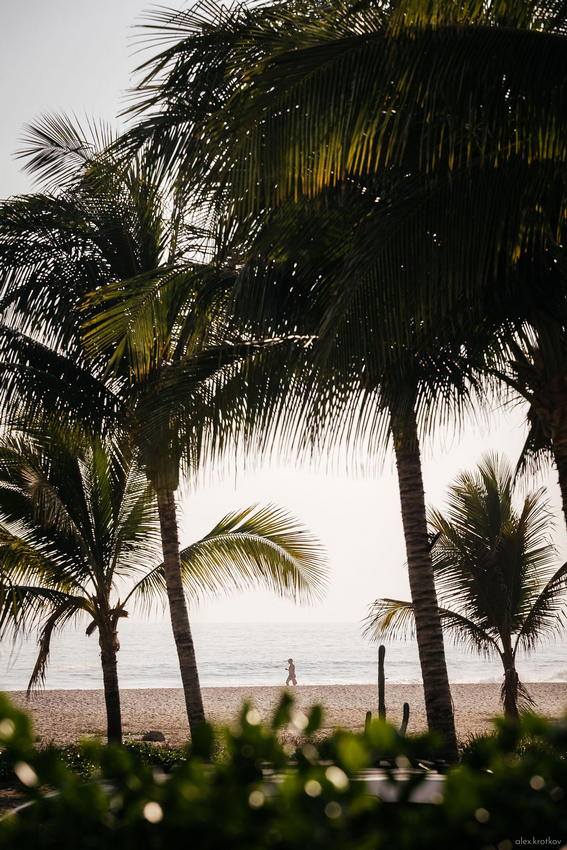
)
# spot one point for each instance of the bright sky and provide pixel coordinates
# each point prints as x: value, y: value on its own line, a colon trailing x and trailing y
x: 76, y: 56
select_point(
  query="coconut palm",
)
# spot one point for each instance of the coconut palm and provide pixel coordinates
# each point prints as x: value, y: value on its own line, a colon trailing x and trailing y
x: 160, y: 365
x: 370, y: 390
x: 499, y: 588
x: 263, y: 73
x: 384, y: 390
x: 80, y: 539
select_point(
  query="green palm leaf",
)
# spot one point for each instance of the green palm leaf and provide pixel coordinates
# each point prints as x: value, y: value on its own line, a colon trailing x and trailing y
x: 393, y: 618
x: 62, y: 613
x: 255, y: 547
x: 23, y: 607
x: 547, y: 612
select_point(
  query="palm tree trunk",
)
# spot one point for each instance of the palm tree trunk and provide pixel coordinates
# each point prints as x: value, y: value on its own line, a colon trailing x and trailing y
x: 511, y: 685
x: 429, y: 634
x: 108, y: 643
x: 178, y: 608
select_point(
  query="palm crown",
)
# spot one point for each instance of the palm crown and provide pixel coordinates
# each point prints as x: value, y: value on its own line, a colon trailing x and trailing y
x: 495, y: 571
x: 80, y: 539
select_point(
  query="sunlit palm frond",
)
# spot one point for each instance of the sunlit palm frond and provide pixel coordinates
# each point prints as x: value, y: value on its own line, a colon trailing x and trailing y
x: 28, y: 557
x: 391, y: 618
x: 399, y: 70
x: 136, y: 534
x: 255, y: 547
x: 129, y: 314
x: 265, y: 106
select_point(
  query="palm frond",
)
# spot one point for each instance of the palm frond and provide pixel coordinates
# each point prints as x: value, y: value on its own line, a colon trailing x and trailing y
x: 254, y: 547
x: 64, y: 612
x: 546, y: 613
x: 58, y: 149
x: 136, y: 539
x: 536, y: 450
x: 22, y: 607
x: 36, y: 377
x: 392, y: 618
x: 400, y: 73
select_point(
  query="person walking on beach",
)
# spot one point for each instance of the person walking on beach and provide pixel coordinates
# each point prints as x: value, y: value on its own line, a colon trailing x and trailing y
x: 291, y: 673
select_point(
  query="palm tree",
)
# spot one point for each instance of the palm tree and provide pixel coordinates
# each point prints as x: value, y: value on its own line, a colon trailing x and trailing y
x: 161, y: 365
x: 368, y: 389
x: 79, y: 524
x: 494, y: 570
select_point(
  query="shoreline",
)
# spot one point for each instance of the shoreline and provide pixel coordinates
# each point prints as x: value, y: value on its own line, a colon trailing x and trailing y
x: 64, y: 716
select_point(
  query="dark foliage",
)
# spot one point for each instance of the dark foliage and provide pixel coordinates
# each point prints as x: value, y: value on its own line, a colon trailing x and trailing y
x: 256, y: 794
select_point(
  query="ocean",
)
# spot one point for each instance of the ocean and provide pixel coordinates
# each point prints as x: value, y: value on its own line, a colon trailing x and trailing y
x: 256, y: 654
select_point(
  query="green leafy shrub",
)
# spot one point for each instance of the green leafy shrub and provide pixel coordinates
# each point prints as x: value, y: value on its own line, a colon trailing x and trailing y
x: 477, y: 748
x: 158, y: 756
x: 79, y: 761
x: 242, y: 789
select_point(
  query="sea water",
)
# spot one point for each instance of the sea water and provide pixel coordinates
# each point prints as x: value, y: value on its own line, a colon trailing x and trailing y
x: 256, y: 654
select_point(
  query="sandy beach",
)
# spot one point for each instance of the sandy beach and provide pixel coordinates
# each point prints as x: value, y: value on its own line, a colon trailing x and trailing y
x: 64, y: 716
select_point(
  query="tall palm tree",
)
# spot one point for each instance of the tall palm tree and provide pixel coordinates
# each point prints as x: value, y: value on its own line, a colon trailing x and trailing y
x: 80, y: 539
x: 494, y: 568
x: 370, y: 389
x: 160, y: 364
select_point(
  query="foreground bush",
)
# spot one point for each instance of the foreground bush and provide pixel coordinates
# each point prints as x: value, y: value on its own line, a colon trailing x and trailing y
x: 235, y: 801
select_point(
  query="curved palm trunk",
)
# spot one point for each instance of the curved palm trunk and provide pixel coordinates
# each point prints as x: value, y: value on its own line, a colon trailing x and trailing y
x: 429, y: 635
x: 108, y: 642
x: 510, y: 686
x: 178, y: 607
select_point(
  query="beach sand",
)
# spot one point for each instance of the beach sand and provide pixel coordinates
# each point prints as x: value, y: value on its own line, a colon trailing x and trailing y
x: 63, y: 717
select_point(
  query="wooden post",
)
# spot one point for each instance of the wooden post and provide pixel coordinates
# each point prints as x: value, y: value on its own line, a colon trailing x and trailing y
x: 381, y: 683
x: 405, y: 719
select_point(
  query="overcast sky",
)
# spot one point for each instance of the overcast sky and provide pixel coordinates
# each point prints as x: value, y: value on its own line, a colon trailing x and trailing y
x: 76, y: 56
